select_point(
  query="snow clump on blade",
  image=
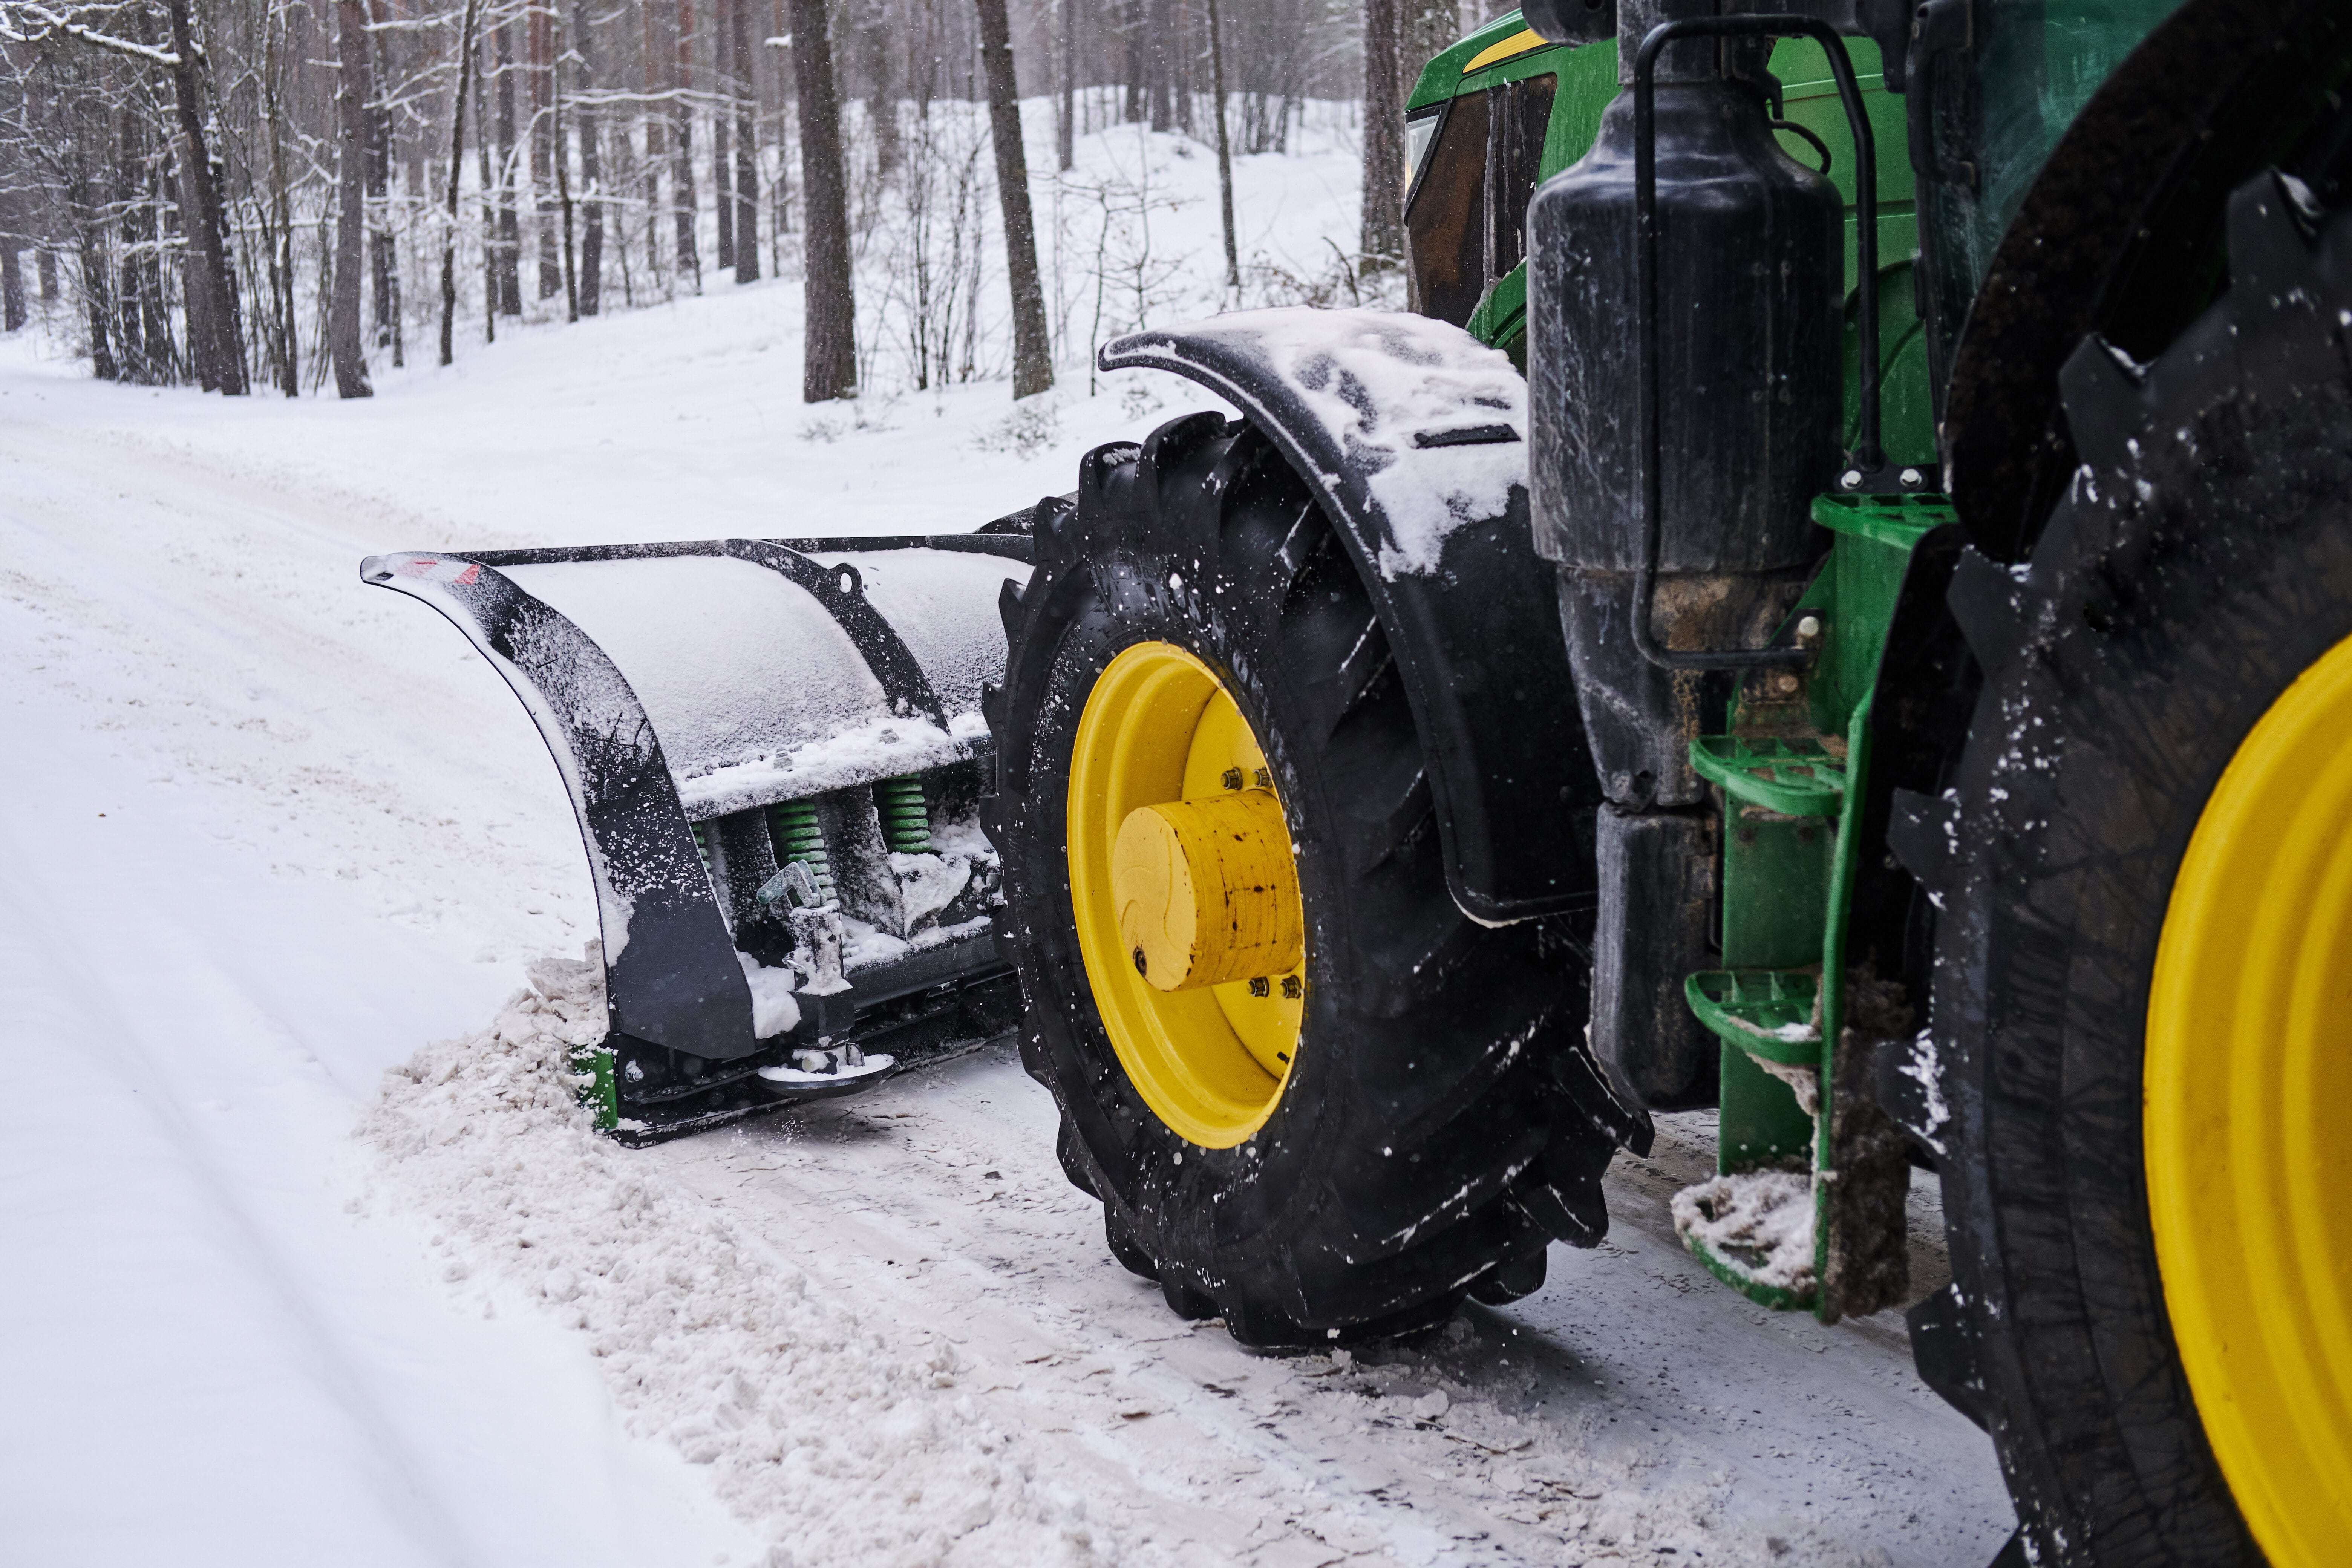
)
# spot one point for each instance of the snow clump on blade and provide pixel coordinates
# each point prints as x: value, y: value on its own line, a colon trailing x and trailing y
x: 842, y: 1435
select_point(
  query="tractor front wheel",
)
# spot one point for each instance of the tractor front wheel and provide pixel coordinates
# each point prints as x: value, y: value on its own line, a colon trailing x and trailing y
x: 1314, y: 1098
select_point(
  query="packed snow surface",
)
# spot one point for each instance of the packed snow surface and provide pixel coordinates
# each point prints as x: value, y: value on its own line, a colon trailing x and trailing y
x: 274, y: 835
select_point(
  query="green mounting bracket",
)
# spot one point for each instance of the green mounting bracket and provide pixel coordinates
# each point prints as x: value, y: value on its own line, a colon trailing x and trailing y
x: 598, y: 1089
x: 1792, y: 769
x: 1773, y: 1015
x: 1794, y: 777
x: 1779, y: 1297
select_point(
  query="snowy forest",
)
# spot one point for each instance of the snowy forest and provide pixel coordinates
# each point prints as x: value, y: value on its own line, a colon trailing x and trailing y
x: 290, y: 195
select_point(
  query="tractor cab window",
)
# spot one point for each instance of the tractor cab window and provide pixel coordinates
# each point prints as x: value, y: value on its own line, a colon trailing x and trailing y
x: 1475, y: 162
x: 1515, y: 140
x: 1445, y: 214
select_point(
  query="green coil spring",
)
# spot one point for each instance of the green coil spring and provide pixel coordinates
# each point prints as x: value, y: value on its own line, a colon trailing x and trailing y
x: 702, y: 847
x: 906, y: 820
x: 792, y: 829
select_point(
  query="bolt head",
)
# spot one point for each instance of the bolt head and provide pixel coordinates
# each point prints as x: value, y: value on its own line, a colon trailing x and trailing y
x: 1784, y: 683
x: 1851, y: 480
x: 1810, y: 626
x: 1913, y: 479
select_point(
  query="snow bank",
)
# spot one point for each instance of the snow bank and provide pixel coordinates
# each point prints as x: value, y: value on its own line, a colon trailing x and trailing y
x: 841, y: 1435
x: 1760, y: 1222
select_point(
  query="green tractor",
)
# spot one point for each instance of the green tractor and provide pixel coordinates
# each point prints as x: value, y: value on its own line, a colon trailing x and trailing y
x: 1902, y: 706
x: 1837, y: 607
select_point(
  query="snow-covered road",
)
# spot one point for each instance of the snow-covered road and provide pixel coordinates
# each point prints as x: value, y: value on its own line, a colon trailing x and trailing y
x: 268, y: 834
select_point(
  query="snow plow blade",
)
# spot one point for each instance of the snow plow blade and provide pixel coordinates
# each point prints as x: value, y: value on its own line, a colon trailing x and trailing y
x: 775, y: 754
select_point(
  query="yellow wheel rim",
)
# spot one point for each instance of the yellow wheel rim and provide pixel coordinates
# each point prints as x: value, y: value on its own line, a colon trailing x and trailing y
x: 2248, y: 1084
x: 1184, y: 885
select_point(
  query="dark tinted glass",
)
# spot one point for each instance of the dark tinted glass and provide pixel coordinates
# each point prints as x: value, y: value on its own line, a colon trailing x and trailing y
x: 1515, y: 138
x: 1445, y: 222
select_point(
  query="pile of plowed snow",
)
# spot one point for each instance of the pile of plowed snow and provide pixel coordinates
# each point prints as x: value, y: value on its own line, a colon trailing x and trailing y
x: 845, y: 1437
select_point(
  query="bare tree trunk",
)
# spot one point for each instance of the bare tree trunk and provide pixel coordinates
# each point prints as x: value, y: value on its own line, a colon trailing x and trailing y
x: 466, y: 26
x: 1067, y: 132
x: 510, y: 223
x: 382, y: 255
x: 286, y: 344
x: 1033, y: 347
x: 13, y: 314
x: 747, y: 146
x: 383, y: 262
x: 1139, y: 93
x: 1224, y: 151
x: 722, y: 130
x: 1156, y: 31
x: 547, y: 202
x: 216, y: 339
x: 831, y: 365
x: 490, y: 270
x: 650, y: 72
x: 351, y: 95
x: 689, y: 257
x: 589, y: 132
x: 1182, y: 49
x: 562, y: 159
x: 99, y: 298
x: 1382, y: 241
x: 45, y: 268
x: 1425, y: 28
x: 880, y: 43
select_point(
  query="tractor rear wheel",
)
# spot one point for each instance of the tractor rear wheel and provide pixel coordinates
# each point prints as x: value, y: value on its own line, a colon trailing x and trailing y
x: 1314, y: 1098
x: 2144, y: 957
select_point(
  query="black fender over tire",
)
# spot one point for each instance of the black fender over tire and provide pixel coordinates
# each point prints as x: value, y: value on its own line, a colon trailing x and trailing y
x: 1442, y: 1122
x: 1475, y: 640
x: 2202, y: 561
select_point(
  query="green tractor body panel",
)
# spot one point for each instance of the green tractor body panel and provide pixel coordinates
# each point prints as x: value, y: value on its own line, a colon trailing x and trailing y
x: 1455, y: 128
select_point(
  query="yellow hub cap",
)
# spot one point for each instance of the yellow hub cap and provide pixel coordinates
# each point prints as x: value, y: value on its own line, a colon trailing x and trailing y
x: 1185, y: 889
x: 2248, y: 1086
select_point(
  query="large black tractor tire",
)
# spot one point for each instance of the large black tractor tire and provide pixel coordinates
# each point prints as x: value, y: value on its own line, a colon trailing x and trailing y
x: 2200, y: 564
x: 1423, y: 1147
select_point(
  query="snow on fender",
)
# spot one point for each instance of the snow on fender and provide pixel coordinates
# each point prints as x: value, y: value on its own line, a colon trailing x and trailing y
x: 1413, y: 435
x: 1430, y: 422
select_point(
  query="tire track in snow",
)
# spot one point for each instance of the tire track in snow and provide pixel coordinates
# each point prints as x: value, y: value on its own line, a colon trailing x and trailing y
x: 888, y: 1327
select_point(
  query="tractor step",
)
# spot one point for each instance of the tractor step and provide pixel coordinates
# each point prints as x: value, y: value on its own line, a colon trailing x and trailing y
x: 1773, y: 1014
x: 1793, y: 777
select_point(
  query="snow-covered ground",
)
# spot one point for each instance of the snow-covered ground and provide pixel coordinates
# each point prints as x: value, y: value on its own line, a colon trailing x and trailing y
x: 270, y: 834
